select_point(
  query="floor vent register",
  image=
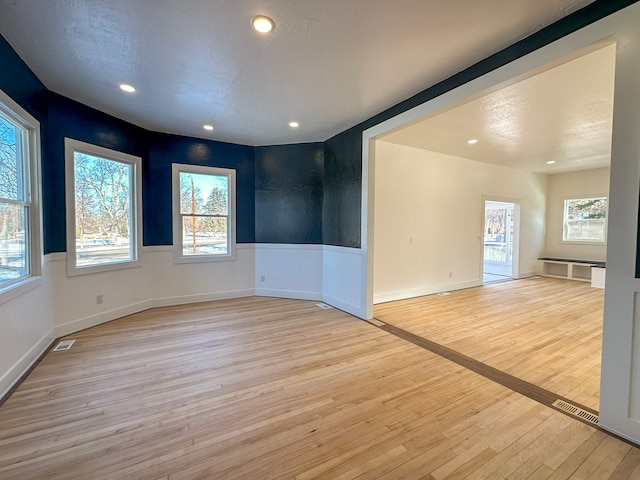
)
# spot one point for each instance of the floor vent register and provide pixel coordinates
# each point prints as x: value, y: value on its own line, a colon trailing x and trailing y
x: 576, y: 411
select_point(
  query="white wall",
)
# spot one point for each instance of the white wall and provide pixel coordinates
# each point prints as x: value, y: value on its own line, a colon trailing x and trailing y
x: 572, y: 185
x: 342, y: 283
x: 428, y: 219
x: 26, y: 327
x: 158, y: 282
x: 289, y: 271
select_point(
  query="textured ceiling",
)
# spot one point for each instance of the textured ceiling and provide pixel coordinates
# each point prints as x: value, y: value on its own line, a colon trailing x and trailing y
x: 563, y: 114
x: 329, y: 64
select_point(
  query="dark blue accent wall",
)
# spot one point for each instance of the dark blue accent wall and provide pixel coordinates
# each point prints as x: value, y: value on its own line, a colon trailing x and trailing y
x: 68, y: 118
x: 289, y: 190
x: 20, y: 83
x: 342, y: 189
x: 167, y: 149
x: 343, y: 153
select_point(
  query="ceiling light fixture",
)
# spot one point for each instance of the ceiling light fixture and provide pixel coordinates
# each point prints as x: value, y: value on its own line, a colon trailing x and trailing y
x: 551, y: 162
x: 127, y: 88
x: 262, y: 24
x: 208, y: 127
x: 472, y: 141
x: 294, y: 124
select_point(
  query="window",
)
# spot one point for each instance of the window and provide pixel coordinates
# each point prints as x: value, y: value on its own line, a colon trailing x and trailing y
x: 203, y: 213
x: 19, y: 220
x: 103, y: 208
x: 585, y: 220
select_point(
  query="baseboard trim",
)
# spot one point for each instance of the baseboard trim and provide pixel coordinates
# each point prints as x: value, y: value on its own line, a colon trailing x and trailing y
x: 528, y: 275
x: 104, y: 317
x: 420, y: 292
x: 291, y: 294
x: 344, y: 306
x: 201, y: 297
x: 13, y: 377
x: 94, y: 320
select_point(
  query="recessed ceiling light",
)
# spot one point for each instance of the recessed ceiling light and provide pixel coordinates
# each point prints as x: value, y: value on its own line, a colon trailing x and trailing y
x: 208, y: 127
x: 294, y: 124
x: 262, y: 24
x: 472, y: 141
x: 551, y: 162
x: 127, y: 88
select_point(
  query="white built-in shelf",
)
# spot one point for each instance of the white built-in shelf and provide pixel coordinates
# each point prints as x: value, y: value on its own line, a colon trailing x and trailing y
x: 581, y: 270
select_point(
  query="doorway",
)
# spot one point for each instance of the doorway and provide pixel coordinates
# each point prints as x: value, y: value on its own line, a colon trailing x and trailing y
x: 499, y: 241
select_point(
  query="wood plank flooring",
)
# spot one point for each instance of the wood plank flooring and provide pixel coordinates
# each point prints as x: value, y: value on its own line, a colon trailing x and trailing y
x: 543, y: 330
x: 262, y: 388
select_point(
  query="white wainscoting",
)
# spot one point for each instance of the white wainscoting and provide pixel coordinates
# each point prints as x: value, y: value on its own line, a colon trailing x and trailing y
x: 158, y: 282
x: 289, y: 271
x: 26, y: 330
x: 342, y: 279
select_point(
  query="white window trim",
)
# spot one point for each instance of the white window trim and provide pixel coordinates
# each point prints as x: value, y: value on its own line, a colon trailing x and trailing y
x: 70, y: 147
x: 20, y: 116
x: 176, y: 169
x: 606, y: 220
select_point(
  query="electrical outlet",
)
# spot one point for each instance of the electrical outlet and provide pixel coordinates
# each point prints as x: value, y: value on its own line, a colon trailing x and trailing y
x: 99, y: 299
x: 262, y: 278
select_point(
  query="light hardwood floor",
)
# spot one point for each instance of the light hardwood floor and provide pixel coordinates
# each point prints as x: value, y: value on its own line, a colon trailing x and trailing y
x: 261, y: 388
x: 546, y: 331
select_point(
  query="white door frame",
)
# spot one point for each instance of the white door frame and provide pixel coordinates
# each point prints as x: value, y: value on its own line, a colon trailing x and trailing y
x: 620, y: 379
x: 515, y: 262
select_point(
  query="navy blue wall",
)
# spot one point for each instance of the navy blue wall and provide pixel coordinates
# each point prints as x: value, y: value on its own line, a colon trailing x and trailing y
x: 342, y: 189
x: 156, y: 201
x: 20, y: 83
x: 343, y: 153
x: 288, y: 189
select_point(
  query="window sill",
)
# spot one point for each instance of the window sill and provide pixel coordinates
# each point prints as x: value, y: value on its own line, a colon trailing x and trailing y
x: 177, y: 258
x: 17, y: 289
x: 73, y: 271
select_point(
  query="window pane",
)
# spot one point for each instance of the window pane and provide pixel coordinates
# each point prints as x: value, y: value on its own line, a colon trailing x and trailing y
x: 588, y: 230
x: 204, y: 235
x: 10, y: 166
x: 14, y: 239
x: 585, y: 219
x: 203, y: 194
x: 103, y: 206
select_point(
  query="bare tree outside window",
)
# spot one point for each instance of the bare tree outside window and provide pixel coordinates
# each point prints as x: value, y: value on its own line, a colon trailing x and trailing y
x: 102, y: 206
x: 14, y: 204
x: 204, y: 213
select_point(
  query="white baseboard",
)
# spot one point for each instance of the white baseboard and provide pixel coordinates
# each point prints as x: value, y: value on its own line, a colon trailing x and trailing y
x: 23, y: 365
x: 104, y: 317
x: 100, y: 318
x: 201, y: 297
x: 419, y: 292
x: 292, y: 294
x: 528, y: 274
x: 344, y: 306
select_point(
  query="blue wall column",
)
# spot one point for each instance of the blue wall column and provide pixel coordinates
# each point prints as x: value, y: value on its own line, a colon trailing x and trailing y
x: 289, y: 191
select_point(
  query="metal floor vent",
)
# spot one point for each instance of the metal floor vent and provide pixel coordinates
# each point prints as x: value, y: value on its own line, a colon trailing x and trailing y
x: 576, y: 411
x: 64, y: 345
x: 324, y: 306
